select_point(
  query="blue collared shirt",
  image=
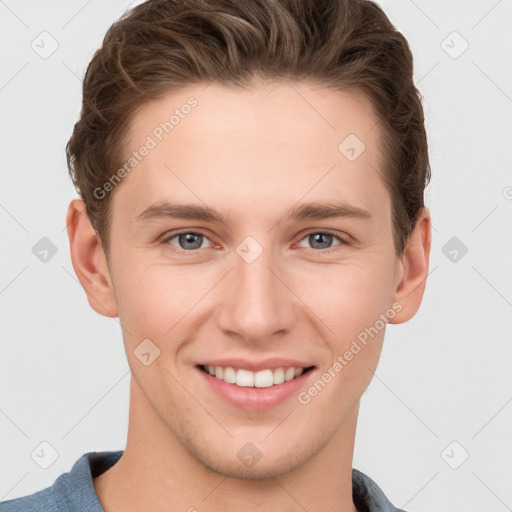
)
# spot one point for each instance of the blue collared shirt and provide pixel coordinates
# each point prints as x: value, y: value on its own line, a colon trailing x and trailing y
x: 74, y: 491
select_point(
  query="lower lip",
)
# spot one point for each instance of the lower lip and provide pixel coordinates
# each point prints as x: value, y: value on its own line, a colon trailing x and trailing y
x: 252, y: 398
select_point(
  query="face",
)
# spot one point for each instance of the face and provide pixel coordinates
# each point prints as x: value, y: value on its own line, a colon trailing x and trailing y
x: 268, y: 280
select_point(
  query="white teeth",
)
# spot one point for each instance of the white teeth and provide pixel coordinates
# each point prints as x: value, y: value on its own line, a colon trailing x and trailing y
x: 263, y: 379
x: 289, y: 374
x: 247, y: 378
x: 278, y: 376
x: 229, y: 375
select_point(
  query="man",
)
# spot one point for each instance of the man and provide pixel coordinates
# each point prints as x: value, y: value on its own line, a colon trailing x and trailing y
x: 251, y: 177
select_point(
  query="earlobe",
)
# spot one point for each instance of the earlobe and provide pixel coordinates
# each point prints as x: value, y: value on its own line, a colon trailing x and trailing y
x: 89, y: 260
x: 409, y: 291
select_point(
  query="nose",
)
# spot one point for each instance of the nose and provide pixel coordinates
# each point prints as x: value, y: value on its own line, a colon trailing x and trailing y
x: 257, y: 306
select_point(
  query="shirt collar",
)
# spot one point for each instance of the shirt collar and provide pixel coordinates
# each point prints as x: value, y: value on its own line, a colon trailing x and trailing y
x: 80, y: 494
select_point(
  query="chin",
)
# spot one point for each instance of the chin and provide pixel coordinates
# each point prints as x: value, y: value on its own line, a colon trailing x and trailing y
x: 246, y: 461
x: 265, y: 468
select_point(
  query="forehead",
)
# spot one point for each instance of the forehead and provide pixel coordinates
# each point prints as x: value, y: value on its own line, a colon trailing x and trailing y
x: 273, y: 141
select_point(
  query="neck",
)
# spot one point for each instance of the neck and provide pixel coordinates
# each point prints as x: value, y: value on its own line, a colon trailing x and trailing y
x: 157, y: 473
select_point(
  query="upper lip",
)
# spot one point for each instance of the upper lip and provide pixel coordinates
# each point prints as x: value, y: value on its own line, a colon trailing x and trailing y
x: 270, y: 363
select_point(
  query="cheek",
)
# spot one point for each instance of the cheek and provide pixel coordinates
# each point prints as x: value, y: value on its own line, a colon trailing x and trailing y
x: 153, y: 299
x: 350, y: 302
x: 347, y: 297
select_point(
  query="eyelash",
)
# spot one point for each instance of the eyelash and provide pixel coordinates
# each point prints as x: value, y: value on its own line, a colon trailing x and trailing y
x: 342, y: 241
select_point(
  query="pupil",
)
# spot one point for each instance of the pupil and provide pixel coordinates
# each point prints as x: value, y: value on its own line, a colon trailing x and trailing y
x: 187, y: 238
x: 317, y: 238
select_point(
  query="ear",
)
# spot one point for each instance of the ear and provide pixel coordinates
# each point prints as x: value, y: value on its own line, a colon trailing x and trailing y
x: 89, y: 260
x: 414, y: 268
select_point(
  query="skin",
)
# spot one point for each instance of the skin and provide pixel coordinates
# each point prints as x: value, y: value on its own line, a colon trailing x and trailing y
x: 251, y: 155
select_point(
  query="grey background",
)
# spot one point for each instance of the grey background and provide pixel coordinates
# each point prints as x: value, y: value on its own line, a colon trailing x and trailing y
x: 443, y: 377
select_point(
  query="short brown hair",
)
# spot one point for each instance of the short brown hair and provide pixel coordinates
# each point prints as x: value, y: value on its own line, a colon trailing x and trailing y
x: 161, y: 46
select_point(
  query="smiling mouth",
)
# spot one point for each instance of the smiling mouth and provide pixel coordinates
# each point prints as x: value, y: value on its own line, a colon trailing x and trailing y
x: 260, y: 379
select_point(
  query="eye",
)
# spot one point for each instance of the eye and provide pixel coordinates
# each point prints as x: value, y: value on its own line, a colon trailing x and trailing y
x: 323, y: 240
x: 191, y: 241
x: 187, y: 240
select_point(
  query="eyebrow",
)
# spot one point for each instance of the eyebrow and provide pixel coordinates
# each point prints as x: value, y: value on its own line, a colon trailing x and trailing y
x: 306, y: 211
